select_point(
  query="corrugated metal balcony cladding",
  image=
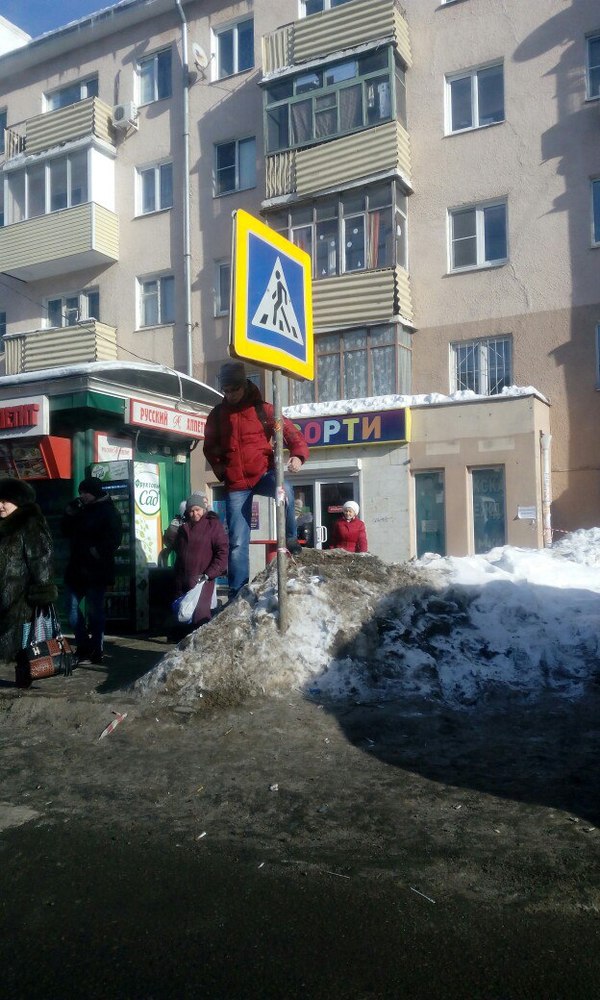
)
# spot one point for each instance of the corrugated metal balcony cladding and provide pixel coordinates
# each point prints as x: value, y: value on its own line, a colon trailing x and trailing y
x: 324, y: 34
x: 69, y: 240
x: 81, y: 344
x: 361, y: 298
x: 89, y: 117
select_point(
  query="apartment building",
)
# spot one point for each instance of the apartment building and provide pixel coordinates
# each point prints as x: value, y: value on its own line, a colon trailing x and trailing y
x: 420, y: 153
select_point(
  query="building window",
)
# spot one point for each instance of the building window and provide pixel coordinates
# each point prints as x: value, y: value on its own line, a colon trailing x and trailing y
x: 343, y: 97
x: 154, y: 77
x: 430, y: 510
x: 475, y: 99
x: 368, y: 361
x: 222, y: 287
x: 484, y: 366
x: 68, y: 310
x: 478, y: 236
x: 235, y: 165
x: 308, y: 7
x: 489, y: 502
x: 3, y: 122
x: 155, y: 188
x: 235, y: 48
x: 1, y: 202
x: 598, y: 355
x: 596, y: 211
x: 359, y: 230
x: 156, y: 301
x: 2, y: 329
x: 48, y: 187
x: 593, y: 74
x: 71, y: 94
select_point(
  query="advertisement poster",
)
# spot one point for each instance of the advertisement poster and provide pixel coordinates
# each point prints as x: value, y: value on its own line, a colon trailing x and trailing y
x: 148, y: 533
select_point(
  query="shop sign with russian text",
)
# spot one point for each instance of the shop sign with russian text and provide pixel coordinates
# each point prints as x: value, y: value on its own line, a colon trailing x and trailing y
x: 373, y: 427
x: 166, y: 418
x: 24, y: 417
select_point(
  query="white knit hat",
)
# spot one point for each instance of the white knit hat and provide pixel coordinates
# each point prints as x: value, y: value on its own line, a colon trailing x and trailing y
x: 352, y: 505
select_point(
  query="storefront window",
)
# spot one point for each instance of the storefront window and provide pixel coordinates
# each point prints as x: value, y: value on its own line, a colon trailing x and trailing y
x: 430, y: 506
x: 489, y: 520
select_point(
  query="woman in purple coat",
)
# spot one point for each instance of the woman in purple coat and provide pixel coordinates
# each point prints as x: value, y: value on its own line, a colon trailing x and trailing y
x: 201, y: 549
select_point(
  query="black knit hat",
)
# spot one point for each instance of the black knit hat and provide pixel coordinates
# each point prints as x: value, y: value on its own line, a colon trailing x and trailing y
x: 232, y: 375
x: 93, y: 486
x: 16, y: 491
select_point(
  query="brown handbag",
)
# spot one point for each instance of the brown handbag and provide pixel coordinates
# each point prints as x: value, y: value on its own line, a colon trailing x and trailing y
x: 44, y: 657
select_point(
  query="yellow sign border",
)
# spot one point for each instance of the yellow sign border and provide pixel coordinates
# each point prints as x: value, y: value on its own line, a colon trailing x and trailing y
x: 271, y: 357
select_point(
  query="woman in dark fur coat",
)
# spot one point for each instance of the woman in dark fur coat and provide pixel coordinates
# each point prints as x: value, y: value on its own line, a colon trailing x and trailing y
x: 25, y: 563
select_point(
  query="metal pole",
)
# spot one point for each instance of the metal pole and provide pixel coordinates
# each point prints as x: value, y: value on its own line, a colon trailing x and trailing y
x: 545, y: 441
x: 187, y: 251
x: 280, y: 505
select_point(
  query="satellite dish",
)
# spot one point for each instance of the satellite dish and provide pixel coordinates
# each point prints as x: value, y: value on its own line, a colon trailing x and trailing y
x: 201, y: 59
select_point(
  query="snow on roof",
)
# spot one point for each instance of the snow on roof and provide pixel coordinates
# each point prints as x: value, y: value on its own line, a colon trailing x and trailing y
x: 392, y: 402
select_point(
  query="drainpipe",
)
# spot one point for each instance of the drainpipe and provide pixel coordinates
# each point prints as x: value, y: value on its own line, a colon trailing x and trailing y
x: 545, y: 440
x: 187, y: 255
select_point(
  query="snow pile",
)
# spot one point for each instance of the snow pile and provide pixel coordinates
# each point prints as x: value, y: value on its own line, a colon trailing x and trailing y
x: 455, y: 631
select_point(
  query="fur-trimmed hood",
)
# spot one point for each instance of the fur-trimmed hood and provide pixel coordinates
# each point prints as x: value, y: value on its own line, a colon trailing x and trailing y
x: 20, y: 519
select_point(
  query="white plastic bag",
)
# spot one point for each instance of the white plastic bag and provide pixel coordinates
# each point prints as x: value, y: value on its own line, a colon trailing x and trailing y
x: 185, y: 606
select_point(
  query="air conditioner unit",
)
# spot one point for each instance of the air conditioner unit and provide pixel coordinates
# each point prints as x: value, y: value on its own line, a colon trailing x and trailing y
x: 124, y: 115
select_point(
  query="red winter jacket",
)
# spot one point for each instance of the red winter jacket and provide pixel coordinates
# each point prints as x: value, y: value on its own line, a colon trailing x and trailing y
x: 349, y: 535
x: 237, y: 445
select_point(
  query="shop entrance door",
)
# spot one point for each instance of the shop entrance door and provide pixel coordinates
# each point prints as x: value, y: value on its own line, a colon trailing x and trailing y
x: 318, y: 505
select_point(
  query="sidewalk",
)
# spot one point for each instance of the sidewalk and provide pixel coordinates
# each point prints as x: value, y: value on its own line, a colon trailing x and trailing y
x: 126, y: 657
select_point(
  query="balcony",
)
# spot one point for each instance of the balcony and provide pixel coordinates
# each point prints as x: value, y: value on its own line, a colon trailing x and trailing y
x: 91, y: 117
x: 361, y: 298
x: 60, y: 242
x: 383, y: 150
x: 334, y: 30
x: 69, y: 345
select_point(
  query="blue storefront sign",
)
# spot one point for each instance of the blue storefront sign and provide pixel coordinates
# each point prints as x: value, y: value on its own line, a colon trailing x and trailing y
x: 373, y: 427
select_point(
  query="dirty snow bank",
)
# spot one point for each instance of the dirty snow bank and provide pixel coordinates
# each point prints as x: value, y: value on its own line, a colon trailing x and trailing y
x: 516, y: 622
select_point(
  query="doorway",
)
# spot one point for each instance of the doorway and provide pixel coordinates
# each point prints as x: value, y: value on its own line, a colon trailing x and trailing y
x: 318, y: 504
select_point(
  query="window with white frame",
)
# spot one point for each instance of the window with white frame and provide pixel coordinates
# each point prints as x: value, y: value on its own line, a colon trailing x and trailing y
x: 154, y: 188
x: 359, y: 230
x: 484, y: 366
x: 50, y: 186
x: 597, y: 355
x: 593, y: 66
x: 596, y: 211
x: 154, y: 77
x: 71, y: 94
x: 1, y: 202
x: 222, y: 287
x: 235, y: 165
x: 367, y: 361
x: 156, y: 300
x: 68, y: 310
x: 475, y: 99
x: 2, y: 329
x: 478, y: 235
x: 308, y: 7
x: 234, y: 46
x: 3, y: 122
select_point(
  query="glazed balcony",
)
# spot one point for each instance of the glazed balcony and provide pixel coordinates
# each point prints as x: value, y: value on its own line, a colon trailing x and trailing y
x: 69, y: 345
x: 334, y: 164
x: 344, y: 27
x: 60, y: 242
x: 90, y: 117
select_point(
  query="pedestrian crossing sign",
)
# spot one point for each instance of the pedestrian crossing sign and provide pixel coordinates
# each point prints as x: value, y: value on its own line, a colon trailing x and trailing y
x: 271, y: 316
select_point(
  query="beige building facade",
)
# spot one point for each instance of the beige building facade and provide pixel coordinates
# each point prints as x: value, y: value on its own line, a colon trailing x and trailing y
x: 439, y: 161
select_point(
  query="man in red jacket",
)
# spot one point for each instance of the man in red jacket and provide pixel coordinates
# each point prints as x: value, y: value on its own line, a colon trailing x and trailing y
x: 349, y: 532
x: 237, y: 446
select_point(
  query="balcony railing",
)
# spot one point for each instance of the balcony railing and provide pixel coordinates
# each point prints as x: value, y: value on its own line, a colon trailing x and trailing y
x: 91, y: 117
x: 38, y: 349
x: 69, y: 240
x: 362, y: 297
x: 344, y: 27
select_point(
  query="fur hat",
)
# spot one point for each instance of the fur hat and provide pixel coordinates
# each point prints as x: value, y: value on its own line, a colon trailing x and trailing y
x: 16, y: 491
x: 232, y: 373
x: 351, y: 505
x: 197, y: 500
x: 92, y: 485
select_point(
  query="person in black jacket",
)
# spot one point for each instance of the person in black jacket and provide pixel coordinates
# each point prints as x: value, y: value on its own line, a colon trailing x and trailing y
x: 93, y: 526
x: 25, y: 563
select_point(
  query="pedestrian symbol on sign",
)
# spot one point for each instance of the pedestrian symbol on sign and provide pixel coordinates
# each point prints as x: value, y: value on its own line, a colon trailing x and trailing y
x: 275, y: 310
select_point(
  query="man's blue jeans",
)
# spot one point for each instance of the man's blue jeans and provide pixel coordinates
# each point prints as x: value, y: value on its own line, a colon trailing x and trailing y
x: 238, y: 511
x: 93, y: 639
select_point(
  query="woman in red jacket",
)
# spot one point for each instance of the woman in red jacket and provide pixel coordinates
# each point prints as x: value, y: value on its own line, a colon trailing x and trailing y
x: 201, y: 548
x: 349, y: 531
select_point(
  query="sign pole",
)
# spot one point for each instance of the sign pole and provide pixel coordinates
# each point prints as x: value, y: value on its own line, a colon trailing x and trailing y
x: 280, y: 505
